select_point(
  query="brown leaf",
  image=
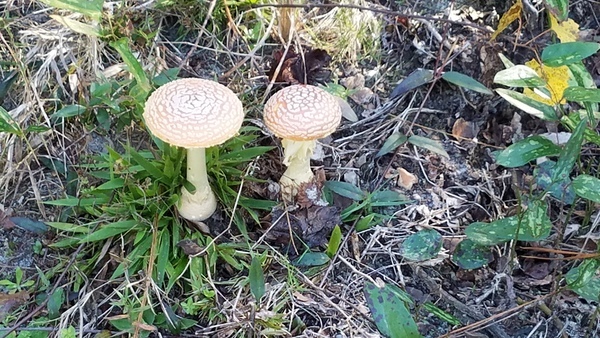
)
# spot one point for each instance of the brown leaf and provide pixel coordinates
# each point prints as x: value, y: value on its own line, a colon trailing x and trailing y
x: 10, y: 301
x: 311, y: 226
x: 463, y: 129
x: 5, y: 221
x: 297, y: 68
x: 190, y: 247
x: 406, y: 179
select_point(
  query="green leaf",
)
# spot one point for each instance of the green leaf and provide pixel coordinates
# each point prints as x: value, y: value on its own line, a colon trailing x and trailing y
x: 505, y: 61
x: 112, y: 184
x: 582, y: 279
x: 561, y: 190
x: 584, y: 79
x: 163, y: 256
x: 390, y: 313
x: 311, y: 258
x: 528, y: 105
x: 91, y: 8
x: 558, y: 8
x: 470, y: 255
x: 466, y: 82
x: 110, y: 230
x: 147, y: 165
x: 257, y: 279
x: 582, y: 274
x: 570, y: 153
x: 573, y: 119
x: 587, y: 187
x: 392, y: 142
x: 69, y: 111
x: 519, y: 76
x: 580, y: 94
x: 526, y: 150
x: 69, y: 332
x: 245, y: 155
x: 366, y: 222
x: 30, y: 224
x: 416, y: 79
x: 534, y: 225
x: 346, y: 189
x: 55, y: 302
x: 562, y: 54
x: 122, y: 47
x: 69, y: 227
x: 421, y: 246
x: 334, y: 242
x: 388, y: 198
x: 8, y: 124
x: 429, y: 144
x: 79, y: 202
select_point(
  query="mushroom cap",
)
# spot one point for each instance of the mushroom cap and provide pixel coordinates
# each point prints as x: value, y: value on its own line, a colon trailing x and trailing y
x: 302, y: 113
x: 193, y: 113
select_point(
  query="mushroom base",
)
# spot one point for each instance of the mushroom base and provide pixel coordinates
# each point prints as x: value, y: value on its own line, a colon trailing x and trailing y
x: 197, y: 206
x: 297, y: 159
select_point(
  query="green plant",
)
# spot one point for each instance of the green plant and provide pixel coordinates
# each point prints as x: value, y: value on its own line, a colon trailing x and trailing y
x: 18, y: 284
x: 561, y: 78
x: 365, y: 206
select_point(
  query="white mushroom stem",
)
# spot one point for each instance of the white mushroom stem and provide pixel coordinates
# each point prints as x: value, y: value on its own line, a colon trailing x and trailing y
x: 202, y: 203
x: 297, y: 159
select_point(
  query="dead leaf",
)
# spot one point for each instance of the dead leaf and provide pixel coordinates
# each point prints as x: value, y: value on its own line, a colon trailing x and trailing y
x: 311, y: 226
x: 347, y: 111
x: 297, y: 68
x: 566, y: 31
x: 5, y: 221
x: 557, y: 81
x: 190, y: 247
x: 10, y: 301
x: 507, y: 18
x: 144, y: 326
x: 406, y: 179
x: 463, y: 129
x: 535, y: 268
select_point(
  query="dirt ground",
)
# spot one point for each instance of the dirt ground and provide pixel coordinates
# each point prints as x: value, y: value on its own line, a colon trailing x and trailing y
x: 450, y: 193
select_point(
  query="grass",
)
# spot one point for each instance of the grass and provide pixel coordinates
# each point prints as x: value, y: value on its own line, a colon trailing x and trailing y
x: 117, y: 257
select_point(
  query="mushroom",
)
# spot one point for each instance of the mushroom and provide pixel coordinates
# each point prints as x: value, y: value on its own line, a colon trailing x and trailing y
x: 194, y: 114
x: 299, y: 115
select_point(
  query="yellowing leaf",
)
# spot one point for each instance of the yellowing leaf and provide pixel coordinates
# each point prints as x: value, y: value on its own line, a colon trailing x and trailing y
x: 507, y: 18
x: 566, y: 31
x: 557, y: 81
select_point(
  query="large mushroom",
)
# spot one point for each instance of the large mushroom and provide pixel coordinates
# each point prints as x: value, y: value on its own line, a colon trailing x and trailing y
x: 300, y: 115
x: 194, y: 114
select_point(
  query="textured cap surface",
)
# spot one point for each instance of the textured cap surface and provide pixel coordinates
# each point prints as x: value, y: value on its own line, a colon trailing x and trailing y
x: 302, y: 112
x: 193, y: 113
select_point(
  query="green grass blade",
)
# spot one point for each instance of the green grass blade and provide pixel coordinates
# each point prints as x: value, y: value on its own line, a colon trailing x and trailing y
x: 91, y: 8
x: 110, y: 230
x: 135, y: 68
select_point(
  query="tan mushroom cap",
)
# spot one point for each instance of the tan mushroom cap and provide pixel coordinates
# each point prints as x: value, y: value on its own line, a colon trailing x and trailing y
x: 302, y: 113
x: 193, y: 113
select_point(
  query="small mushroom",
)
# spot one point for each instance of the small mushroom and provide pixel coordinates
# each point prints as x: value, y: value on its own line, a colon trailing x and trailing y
x: 194, y: 114
x: 300, y: 115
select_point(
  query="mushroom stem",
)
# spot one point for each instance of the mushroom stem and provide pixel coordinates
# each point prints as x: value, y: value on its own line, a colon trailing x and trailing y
x: 297, y: 159
x: 202, y: 203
